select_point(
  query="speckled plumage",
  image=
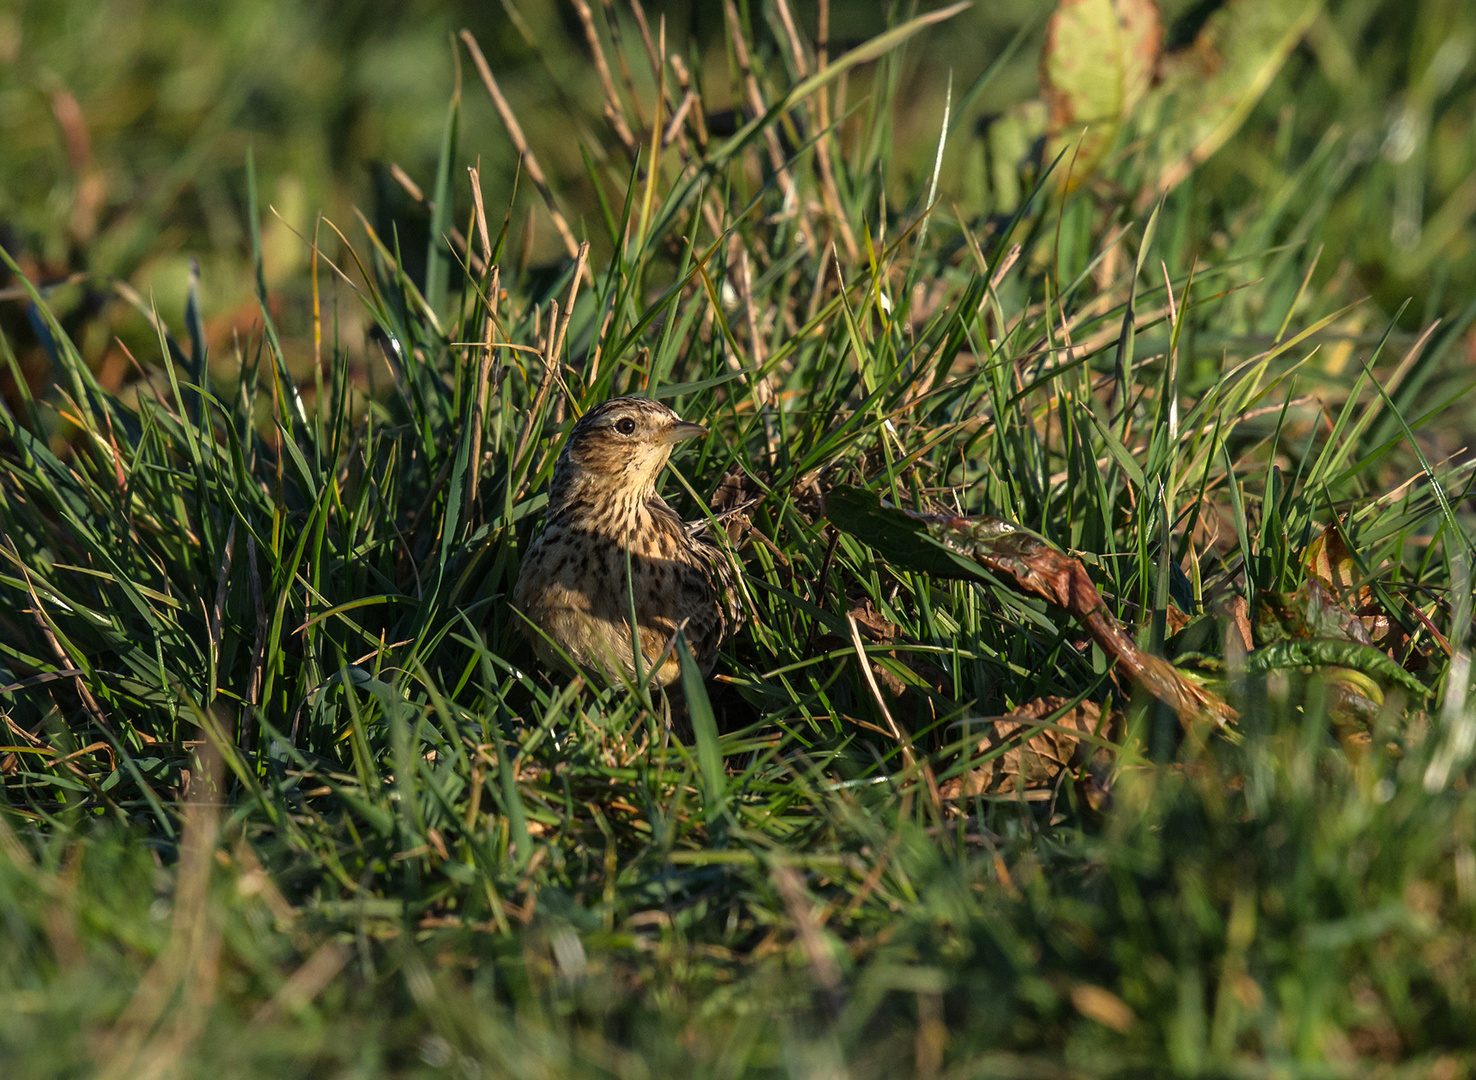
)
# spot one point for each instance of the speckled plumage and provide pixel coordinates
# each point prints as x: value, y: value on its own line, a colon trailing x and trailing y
x: 603, y: 503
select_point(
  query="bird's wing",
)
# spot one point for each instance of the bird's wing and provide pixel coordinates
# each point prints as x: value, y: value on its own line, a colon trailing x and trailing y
x: 727, y: 572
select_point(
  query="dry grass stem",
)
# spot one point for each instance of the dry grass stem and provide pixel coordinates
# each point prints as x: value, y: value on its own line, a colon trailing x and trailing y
x: 520, y: 143
x: 614, y: 110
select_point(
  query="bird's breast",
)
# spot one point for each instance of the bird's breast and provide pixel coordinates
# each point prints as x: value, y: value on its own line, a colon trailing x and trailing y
x: 575, y: 588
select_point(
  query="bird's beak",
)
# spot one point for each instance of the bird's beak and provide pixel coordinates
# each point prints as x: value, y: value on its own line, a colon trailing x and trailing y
x: 681, y: 432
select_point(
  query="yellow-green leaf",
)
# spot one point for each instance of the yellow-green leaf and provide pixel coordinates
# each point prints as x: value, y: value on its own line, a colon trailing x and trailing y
x: 1097, y: 63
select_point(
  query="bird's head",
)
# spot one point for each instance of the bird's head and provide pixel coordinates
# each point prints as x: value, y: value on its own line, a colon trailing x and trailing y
x: 617, y: 450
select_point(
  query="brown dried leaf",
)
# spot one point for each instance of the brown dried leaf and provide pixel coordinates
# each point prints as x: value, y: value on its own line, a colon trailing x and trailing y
x: 1037, y: 753
x: 1103, y: 1006
x: 956, y: 546
x: 1328, y: 560
x: 1055, y: 576
x: 1177, y: 618
x: 873, y: 625
x: 1239, y: 611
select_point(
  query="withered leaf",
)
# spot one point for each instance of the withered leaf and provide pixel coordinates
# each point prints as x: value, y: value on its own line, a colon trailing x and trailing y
x: 965, y: 546
x: 1037, y: 753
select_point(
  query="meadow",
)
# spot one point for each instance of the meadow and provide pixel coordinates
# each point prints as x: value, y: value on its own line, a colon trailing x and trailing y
x: 1088, y: 393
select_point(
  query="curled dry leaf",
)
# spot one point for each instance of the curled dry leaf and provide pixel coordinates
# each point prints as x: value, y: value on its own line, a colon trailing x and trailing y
x: 1177, y: 618
x: 1238, y: 610
x: 1329, y: 561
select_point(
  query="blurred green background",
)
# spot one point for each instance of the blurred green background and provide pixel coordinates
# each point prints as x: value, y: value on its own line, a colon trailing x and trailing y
x: 125, y: 126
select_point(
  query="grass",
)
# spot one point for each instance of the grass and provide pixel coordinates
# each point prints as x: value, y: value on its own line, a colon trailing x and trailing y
x: 285, y: 793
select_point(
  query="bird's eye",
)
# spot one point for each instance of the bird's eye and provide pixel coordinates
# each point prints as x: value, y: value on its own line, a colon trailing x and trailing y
x: 625, y: 425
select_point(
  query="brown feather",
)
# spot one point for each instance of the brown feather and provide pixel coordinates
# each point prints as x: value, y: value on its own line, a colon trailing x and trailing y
x: 603, y: 509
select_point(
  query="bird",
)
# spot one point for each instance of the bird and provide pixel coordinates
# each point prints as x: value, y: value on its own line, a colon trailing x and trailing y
x: 603, y: 509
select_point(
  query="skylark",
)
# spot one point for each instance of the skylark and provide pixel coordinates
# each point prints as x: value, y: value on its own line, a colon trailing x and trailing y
x: 602, y: 504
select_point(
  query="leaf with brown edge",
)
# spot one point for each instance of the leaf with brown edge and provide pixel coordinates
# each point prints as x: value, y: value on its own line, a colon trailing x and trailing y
x: 1097, y: 63
x: 1328, y: 560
